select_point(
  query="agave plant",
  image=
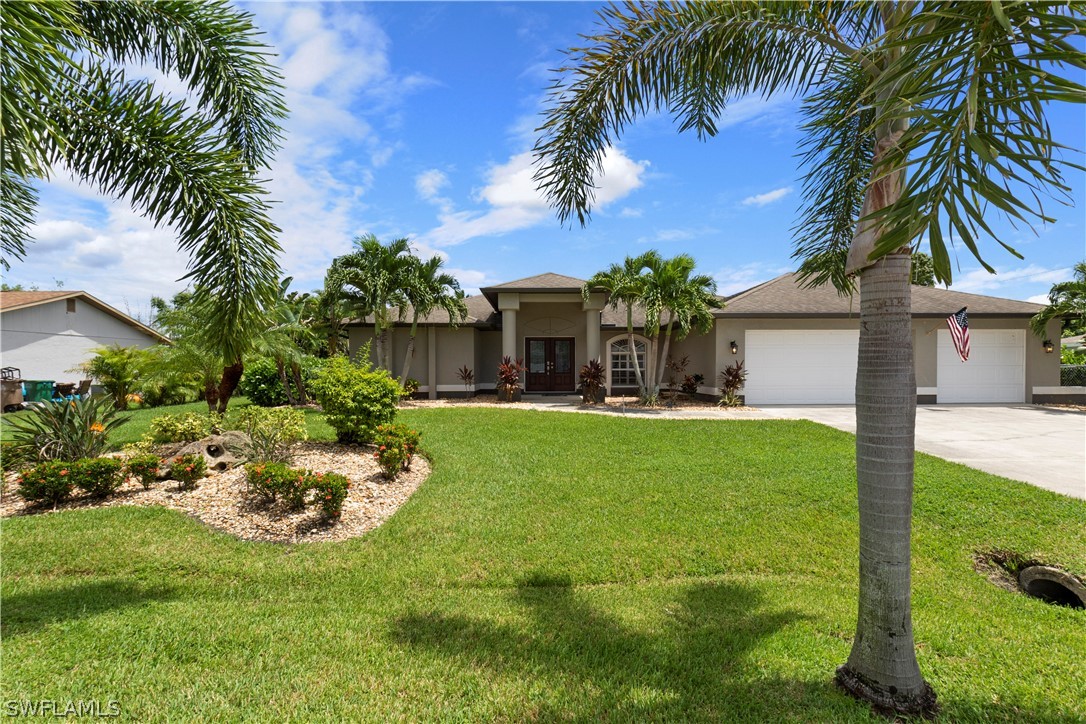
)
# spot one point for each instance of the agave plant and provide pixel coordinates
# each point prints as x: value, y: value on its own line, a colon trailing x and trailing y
x: 67, y: 430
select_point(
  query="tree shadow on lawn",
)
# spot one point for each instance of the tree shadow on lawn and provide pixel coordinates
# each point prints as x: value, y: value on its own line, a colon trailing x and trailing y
x: 27, y: 612
x: 701, y: 665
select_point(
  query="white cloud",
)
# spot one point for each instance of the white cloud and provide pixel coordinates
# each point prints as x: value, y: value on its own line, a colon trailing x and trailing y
x: 732, y: 280
x: 1039, y: 299
x: 628, y: 212
x: 429, y: 183
x: 756, y: 110
x: 979, y: 281
x: 58, y: 234
x: 513, y: 202
x: 767, y: 198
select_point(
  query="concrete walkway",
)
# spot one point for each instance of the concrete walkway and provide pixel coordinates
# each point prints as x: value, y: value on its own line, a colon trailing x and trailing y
x: 1043, y: 446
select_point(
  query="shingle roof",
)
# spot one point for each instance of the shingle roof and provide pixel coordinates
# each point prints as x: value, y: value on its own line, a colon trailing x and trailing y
x: 783, y: 297
x: 10, y: 301
x: 480, y: 314
x: 548, y: 281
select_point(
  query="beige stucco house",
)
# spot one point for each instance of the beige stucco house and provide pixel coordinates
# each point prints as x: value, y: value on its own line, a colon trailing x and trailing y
x: 798, y: 345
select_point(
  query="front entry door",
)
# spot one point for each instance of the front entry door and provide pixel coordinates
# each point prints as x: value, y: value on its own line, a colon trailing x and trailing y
x: 550, y: 365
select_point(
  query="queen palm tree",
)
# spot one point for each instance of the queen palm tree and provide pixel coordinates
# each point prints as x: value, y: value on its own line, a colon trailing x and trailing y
x: 427, y: 289
x: 67, y: 102
x: 1066, y: 300
x: 625, y: 286
x: 955, y: 93
x: 688, y: 299
x: 372, y: 280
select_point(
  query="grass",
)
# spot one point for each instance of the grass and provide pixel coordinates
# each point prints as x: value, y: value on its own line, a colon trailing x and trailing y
x: 553, y: 567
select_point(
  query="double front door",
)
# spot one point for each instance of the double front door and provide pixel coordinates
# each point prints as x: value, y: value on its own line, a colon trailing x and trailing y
x: 550, y: 365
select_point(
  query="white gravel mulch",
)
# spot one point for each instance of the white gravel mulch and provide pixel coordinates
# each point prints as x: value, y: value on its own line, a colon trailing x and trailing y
x: 222, y: 500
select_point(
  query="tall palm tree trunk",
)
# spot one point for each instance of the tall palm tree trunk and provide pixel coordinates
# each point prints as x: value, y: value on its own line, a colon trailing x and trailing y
x: 410, y: 351
x: 379, y: 342
x: 281, y: 368
x: 663, y: 353
x: 299, y: 383
x: 882, y: 666
x: 231, y: 375
x: 633, y: 350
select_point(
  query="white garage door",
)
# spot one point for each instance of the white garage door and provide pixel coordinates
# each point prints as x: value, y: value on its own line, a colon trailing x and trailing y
x: 797, y: 367
x: 995, y: 372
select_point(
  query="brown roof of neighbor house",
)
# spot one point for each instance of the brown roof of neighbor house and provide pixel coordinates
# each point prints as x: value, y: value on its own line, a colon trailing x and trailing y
x: 10, y: 301
x: 783, y: 297
x: 548, y: 282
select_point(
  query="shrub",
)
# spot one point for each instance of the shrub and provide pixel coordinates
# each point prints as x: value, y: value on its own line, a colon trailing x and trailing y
x: 183, y: 427
x: 261, y: 383
x: 271, y: 431
x: 410, y: 387
x: 97, y: 476
x: 187, y: 469
x: 592, y: 378
x: 402, y: 435
x: 68, y: 430
x: 355, y: 398
x: 509, y: 371
x: 272, y: 481
x: 393, y: 458
x: 144, y: 468
x: 331, y: 490
x: 48, y: 482
x: 467, y: 377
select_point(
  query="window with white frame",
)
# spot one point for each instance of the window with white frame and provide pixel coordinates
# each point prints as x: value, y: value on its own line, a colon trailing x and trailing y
x: 622, y: 371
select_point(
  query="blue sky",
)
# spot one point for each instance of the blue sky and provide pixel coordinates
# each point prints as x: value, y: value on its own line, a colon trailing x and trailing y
x: 416, y: 120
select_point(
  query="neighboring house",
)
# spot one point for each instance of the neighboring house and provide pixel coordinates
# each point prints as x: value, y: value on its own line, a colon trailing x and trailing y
x: 47, y: 334
x: 798, y: 345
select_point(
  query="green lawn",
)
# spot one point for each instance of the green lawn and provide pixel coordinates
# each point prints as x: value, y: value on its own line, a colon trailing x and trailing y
x: 554, y: 566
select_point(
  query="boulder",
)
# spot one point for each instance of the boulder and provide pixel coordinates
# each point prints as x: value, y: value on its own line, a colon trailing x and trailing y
x: 221, y: 452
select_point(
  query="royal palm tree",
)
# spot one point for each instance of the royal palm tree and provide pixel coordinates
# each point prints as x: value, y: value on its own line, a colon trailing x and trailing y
x: 671, y: 286
x: 625, y: 286
x: 428, y: 289
x: 67, y: 102
x: 284, y: 339
x: 1066, y: 300
x: 955, y: 93
x: 372, y: 280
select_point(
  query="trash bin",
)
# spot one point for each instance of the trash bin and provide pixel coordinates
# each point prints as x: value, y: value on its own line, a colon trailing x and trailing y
x: 38, y: 390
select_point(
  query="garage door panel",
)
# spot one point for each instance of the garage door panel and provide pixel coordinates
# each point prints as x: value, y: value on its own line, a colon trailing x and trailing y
x: 995, y: 371
x: 801, y: 366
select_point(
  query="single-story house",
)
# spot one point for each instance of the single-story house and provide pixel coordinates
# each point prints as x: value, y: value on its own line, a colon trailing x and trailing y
x: 799, y: 345
x: 48, y: 334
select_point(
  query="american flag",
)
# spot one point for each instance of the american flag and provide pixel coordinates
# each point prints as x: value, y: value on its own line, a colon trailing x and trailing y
x: 959, y: 332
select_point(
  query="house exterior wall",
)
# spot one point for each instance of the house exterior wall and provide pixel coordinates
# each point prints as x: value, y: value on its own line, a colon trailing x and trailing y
x: 46, y: 341
x: 488, y: 353
x: 701, y: 349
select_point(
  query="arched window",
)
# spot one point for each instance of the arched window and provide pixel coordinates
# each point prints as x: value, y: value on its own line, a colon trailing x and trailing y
x: 622, y: 371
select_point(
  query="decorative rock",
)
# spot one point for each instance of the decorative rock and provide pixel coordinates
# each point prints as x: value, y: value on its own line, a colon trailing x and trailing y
x: 218, y: 450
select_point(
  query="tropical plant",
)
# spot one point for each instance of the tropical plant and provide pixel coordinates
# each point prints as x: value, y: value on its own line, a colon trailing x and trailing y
x: 191, y: 356
x: 372, y: 280
x: 671, y: 286
x: 272, y: 432
x: 918, y: 117
x: 732, y: 378
x: 923, y: 270
x: 1067, y: 301
x: 355, y: 398
x: 187, y: 470
x: 118, y: 369
x: 425, y: 290
x: 330, y: 490
x: 410, y: 388
x: 625, y: 286
x: 466, y: 375
x: 509, y: 372
x: 68, y: 101
x: 144, y: 468
x: 182, y: 426
x: 64, y: 430
x: 400, y: 435
x: 593, y: 379
x: 284, y: 341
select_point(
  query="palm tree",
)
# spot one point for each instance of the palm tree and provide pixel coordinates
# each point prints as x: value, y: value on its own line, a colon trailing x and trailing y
x: 372, y: 280
x: 68, y: 102
x: 625, y: 285
x: 1066, y: 300
x: 688, y: 298
x: 955, y: 93
x: 429, y: 288
x: 283, y: 340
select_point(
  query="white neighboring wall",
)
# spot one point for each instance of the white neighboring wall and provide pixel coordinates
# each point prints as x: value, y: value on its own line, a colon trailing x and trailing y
x: 46, y: 341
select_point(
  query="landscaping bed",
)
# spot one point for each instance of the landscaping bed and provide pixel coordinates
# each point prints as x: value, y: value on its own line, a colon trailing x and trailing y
x: 222, y: 500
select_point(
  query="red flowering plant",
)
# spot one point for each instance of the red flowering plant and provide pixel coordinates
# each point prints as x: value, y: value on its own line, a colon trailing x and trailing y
x: 48, y: 482
x: 143, y: 468
x: 331, y: 490
x: 396, y: 446
x: 187, y: 469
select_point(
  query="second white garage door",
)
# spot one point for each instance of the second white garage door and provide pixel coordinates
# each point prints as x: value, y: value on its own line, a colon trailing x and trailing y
x: 995, y: 372
x: 801, y: 367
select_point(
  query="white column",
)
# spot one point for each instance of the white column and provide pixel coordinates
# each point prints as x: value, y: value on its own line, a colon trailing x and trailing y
x: 592, y: 325
x: 431, y: 362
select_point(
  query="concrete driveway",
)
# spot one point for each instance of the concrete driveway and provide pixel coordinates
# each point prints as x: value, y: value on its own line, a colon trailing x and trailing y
x: 1043, y: 446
